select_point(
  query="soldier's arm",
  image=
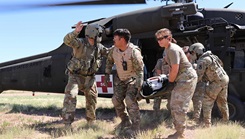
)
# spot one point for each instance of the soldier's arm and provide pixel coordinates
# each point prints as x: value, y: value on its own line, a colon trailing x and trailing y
x: 201, y: 69
x: 138, y: 65
x: 71, y: 39
x: 173, y: 72
x: 104, y: 51
x: 109, y: 62
x: 174, y: 64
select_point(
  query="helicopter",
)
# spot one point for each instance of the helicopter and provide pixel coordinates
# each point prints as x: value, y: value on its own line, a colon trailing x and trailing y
x: 220, y: 30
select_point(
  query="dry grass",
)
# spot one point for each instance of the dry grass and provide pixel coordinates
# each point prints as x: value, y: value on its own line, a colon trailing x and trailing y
x: 24, y: 116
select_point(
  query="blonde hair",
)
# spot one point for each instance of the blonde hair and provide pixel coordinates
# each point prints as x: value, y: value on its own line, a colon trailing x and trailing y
x: 168, y: 32
x: 163, y: 30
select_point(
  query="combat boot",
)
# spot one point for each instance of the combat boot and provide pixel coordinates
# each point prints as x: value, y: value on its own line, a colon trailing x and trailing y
x: 123, y: 128
x: 132, y: 131
x: 177, y: 135
x: 207, y: 125
x: 124, y: 123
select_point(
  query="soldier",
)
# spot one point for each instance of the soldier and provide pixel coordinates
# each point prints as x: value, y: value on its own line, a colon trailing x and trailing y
x: 182, y: 80
x: 209, y: 66
x: 81, y: 69
x: 197, y: 100
x: 199, y: 91
x: 127, y: 85
x: 161, y: 67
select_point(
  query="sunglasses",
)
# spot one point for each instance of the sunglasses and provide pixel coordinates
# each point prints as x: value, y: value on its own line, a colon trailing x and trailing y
x: 161, y: 38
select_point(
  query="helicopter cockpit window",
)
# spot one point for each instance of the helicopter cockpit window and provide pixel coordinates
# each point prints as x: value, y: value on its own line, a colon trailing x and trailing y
x: 239, y: 59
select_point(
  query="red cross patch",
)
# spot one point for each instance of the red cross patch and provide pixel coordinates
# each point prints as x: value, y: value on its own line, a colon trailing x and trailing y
x: 102, y: 89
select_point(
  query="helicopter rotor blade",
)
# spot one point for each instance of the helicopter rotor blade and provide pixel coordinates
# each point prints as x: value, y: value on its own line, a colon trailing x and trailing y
x: 17, y: 7
x: 99, y: 2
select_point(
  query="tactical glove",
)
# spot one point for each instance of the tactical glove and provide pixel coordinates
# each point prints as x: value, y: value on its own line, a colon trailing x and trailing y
x: 166, y: 90
x: 107, y: 79
x: 170, y: 86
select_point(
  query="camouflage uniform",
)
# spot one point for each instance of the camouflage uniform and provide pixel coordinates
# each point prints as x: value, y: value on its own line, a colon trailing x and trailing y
x: 199, y: 91
x: 198, y: 97
x: 210, y: 66
x: 164, y: 68
x: 127, y: 82
x: 81, y: 69
x: 185, y: 86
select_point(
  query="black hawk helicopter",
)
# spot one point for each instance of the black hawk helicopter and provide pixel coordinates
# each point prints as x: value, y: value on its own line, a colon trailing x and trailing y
x: 220, y: 30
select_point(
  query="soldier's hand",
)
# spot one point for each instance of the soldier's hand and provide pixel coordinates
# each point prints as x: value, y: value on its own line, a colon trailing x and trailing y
x: 170, y: 86
x: 79, y: 26
x: 107, y: 79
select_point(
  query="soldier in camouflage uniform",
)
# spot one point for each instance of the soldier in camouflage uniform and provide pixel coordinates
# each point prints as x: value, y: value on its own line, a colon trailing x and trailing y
x: 81, y: 69
x: 199, y: 91
x: 182, y: 80
x: 127, y: 85
x: 161, y: 67
x: 197, y: 100
x: 210, y: 67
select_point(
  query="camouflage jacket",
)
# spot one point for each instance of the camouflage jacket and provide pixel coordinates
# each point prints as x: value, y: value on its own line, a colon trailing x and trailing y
x: 209, y: 66
x: 86, y: 58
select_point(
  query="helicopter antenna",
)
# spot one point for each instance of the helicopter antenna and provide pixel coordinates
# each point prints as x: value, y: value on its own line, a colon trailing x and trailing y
x: 227, y: 6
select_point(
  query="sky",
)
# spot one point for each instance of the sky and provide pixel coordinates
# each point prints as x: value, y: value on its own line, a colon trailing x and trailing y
x: 30, y: 31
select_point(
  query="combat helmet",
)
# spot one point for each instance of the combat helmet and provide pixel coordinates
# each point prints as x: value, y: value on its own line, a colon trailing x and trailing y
x: 93, y: 31
x: 198, y: 48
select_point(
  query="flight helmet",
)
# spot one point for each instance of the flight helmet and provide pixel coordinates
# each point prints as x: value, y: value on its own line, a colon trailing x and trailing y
x: 198, y: 48
x: 94, y: 31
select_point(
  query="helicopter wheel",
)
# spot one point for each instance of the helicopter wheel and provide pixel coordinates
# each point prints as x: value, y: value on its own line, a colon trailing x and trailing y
x: 236, y: 109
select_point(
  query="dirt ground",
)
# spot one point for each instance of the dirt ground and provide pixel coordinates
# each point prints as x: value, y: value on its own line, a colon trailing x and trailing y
x: 47, y: 122
x: 20, y: 119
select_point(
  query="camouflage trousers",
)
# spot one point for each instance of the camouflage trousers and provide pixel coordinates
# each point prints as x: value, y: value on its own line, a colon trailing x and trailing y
x: 215, y: 92
x: 128, y: 93
x: 76, y: 83
x: 158, y: 100
x: 181, y: 96
x: 198, y: 98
